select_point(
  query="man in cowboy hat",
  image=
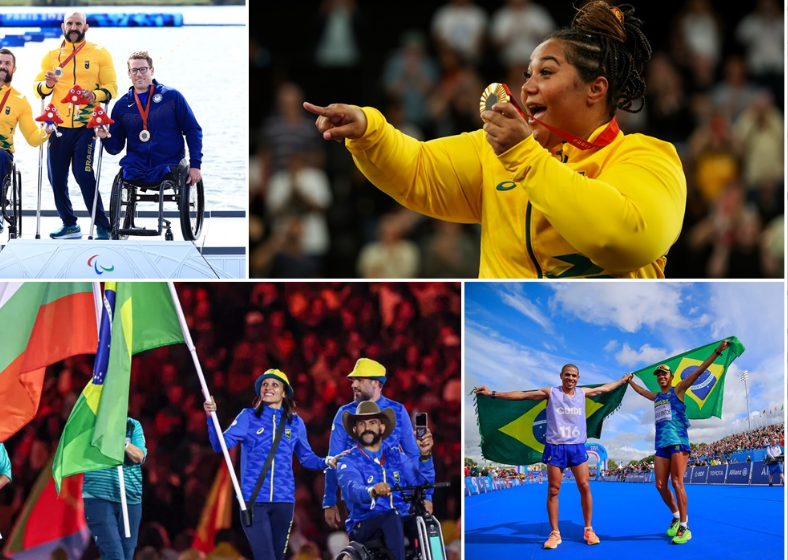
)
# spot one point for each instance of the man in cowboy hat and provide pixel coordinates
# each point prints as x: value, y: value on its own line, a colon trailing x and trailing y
x: 366, y: 476
x: 367, y: 377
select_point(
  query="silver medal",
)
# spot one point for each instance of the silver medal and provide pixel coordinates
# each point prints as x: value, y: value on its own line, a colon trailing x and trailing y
x: 144, y: 135
x: 58, y: 71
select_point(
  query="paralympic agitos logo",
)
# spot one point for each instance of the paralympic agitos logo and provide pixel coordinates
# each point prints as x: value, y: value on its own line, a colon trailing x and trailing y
x: 93, y: 262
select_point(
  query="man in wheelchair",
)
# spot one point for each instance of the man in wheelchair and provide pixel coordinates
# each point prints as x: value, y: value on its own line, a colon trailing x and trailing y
x: 15, y: 112
x: 368, y: 472
x: 151, y: 120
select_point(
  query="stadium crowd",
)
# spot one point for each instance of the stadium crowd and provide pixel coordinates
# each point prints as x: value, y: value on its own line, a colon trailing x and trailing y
x: 720, y: 451
x: 715, y: 90
x: 313, y: 332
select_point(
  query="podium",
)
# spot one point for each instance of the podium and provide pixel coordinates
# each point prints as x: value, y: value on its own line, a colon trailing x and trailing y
x: 110, y: 260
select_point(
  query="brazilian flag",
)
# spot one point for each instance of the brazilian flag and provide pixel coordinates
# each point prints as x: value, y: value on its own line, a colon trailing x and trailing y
x: 704, y: 398
x: 513, y: 432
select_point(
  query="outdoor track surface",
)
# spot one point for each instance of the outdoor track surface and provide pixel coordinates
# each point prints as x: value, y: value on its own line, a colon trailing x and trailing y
x: 736, y: 522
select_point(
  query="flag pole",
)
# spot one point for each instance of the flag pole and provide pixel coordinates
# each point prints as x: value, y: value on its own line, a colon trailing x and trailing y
x: 206, y: 394
x: 98, y: 300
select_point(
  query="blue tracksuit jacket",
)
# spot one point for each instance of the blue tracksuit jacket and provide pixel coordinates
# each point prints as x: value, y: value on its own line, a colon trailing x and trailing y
x: 358, y: 472
x: 169, y: 120
x: 340, y: 441
x: 256, y: 436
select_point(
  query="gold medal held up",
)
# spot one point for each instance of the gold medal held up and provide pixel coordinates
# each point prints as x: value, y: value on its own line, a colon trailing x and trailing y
x: 492, y: 94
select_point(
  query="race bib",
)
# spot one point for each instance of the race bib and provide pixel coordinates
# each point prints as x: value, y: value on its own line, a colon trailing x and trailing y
x: 662, y: 412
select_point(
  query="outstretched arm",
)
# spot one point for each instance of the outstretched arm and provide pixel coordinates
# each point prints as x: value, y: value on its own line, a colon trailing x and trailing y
x: 685, y: 384
x: 607, y: 387
x: 538, y: 395
x: 650, y: 395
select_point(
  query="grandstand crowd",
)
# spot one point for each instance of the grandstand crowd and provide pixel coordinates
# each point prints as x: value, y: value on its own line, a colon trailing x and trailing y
x: 714, y: 89
x: 314, y: 333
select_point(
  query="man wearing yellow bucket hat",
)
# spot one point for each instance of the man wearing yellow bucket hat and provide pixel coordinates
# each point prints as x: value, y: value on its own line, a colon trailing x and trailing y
x: 367, y: 377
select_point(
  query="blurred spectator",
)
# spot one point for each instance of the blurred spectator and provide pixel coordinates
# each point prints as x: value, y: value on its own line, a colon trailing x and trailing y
x: 762, y: 32
x: 702, y: 30
x: 734, y: 94
x: 517, y: 28
x: 225, y: 547
x: 392, y: 255
x: 338, y: 52
x: 409, y: 76
x: 450, y: 252
x: 460, y: 26
x: 305, y: 191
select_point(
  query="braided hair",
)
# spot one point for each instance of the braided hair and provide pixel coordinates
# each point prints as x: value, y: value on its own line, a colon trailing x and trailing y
x: 605, y: 40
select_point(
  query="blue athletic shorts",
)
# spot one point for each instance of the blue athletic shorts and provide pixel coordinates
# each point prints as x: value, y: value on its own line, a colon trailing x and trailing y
x: 564, y: 455
x: 775, y: 468
x: 666, y: 452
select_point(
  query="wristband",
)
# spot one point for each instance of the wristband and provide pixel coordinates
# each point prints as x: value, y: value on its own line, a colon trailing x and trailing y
x: 127, y: 445
x: 493, y: 394
x: 425, y: 458
x: 718, y: 352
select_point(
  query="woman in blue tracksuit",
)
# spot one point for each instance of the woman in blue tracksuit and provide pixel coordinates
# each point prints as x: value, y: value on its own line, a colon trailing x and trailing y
x: 255, y: 429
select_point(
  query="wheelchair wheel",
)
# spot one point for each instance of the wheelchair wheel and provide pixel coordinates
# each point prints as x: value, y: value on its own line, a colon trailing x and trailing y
x: 18, y: 202
x: 116, y: 211
x: 192, y: 207
x: 353, y: 551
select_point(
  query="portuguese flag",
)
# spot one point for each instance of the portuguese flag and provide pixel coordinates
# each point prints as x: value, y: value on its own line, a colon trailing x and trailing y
x: 41, y: 323
x: 47, y: 522
x: 513, y: 432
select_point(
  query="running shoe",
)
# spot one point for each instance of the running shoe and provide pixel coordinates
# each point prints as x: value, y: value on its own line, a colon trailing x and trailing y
x: 682, y: 535
x: 102, y: 233
x: 674, y: 527
x: 553, y: 540
x: 590, y: 536
x: 67, y: 232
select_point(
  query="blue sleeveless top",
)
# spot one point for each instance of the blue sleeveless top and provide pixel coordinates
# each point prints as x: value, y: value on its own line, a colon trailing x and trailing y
x: 670, y: 417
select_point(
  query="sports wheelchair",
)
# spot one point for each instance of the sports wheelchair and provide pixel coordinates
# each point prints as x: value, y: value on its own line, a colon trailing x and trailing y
x: 423, y: 532
x: 11, y: 202
x: 126, y: 194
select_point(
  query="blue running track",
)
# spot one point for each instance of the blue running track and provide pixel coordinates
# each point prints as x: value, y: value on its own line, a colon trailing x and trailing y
x: 736, y: 522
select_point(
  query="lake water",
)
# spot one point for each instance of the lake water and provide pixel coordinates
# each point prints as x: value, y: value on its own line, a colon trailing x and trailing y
x: 207, y: 64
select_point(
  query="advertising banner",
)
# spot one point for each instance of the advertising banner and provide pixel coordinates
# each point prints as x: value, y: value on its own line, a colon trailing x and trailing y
x: 717, y: 474
x: 739, y: 473
x: 699, y: 475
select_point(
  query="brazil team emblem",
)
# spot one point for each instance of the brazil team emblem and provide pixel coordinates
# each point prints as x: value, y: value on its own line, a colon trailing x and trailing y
x: 396, y: 477
x: 288, y: 433
x: 87, y: 64
x: 8, y: 110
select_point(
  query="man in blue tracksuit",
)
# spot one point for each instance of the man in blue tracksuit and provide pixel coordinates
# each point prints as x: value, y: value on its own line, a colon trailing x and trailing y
x: 367, y: 474
x: 368, y: 377
x: 152, y: 119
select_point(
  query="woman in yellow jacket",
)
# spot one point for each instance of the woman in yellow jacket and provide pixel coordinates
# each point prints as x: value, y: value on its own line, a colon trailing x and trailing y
x: 559, y: 193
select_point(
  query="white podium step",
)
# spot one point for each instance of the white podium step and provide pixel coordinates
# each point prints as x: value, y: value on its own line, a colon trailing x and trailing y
x: 116, y: 260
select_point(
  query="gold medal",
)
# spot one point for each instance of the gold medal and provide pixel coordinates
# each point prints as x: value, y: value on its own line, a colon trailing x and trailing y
x: 58, y: 71
x: 492, y: 94
x: 144, y: 135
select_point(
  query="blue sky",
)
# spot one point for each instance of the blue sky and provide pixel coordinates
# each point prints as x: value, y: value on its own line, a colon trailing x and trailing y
x: 518, y: 335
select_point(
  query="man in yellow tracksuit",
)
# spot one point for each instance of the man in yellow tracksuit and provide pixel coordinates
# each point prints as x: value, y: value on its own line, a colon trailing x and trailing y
x: 75, y: 62
x: 15, y: 112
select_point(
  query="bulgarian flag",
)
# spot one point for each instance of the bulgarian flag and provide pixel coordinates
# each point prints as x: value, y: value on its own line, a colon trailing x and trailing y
x: 216, y: 513
x: 41, y: 323
x: 47, y: 523
x: 136, y: 316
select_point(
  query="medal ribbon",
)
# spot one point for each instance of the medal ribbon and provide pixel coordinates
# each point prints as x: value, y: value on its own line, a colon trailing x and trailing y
x: 72, y: 55
x: 5, y: 98
x: 144, y: 114
x: 607, y: 136
x: 382, y: 457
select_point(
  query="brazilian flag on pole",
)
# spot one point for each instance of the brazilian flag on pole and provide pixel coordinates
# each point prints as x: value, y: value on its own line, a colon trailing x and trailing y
x: 704, y: 398
x: 136, y: 316
x: 513, y: 432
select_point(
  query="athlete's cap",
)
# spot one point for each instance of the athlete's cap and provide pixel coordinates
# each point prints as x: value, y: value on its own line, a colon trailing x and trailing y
x: 367, y: 410
x: 368, y: 369
x: 663, y: 367
x: 273, y: 374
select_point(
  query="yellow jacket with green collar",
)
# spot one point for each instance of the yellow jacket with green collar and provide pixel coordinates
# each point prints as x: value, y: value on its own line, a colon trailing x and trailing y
x: 92, y: 68
x: 605, y: 212
x: 17, y: 113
